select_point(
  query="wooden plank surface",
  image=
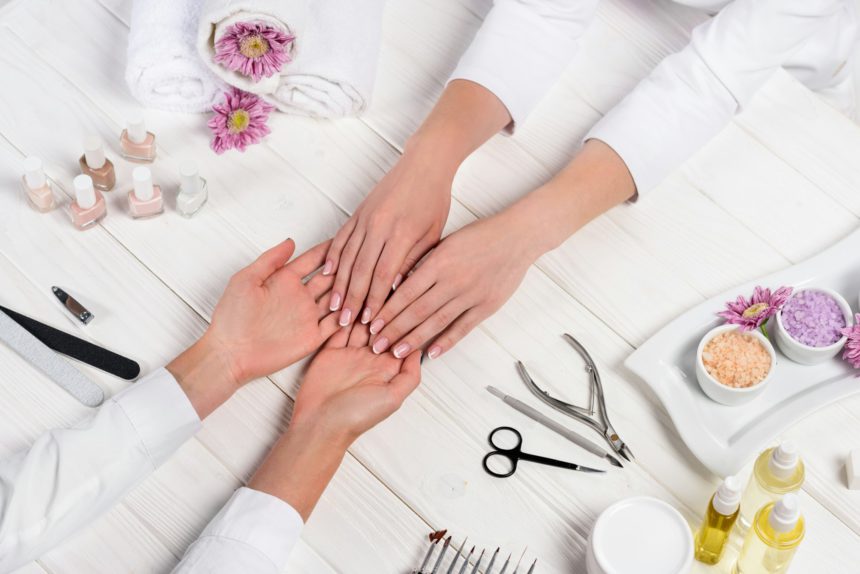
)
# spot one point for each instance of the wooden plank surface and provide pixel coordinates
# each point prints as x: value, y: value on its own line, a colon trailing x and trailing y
x: 692, y: 238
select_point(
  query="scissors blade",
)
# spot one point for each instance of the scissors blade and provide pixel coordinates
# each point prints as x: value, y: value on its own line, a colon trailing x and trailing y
x: 581, y: 468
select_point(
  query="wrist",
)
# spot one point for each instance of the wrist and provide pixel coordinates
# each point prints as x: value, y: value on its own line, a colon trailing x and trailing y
x: 205, y: 374
x: 534, y: 231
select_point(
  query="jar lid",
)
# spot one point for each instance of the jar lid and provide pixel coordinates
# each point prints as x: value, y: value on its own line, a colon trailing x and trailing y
x: 640, y: 535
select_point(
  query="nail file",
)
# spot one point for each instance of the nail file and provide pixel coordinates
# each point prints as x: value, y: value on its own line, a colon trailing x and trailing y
x: 52, y: 365
x: 77, y: 348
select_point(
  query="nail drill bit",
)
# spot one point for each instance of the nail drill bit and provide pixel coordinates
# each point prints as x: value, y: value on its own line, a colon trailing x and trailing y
x: 441, y: 555
x: 466, y: 563
x: 478, y: 563
x: 457, y: 555
x: 492, y: 561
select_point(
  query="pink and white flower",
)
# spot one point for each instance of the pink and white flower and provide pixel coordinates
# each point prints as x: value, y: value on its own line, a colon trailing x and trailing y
x: 750, y: 314
x: 239, y: 121
x: 254, y: 49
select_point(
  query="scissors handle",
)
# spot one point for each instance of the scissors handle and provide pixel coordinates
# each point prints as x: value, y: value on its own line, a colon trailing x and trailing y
x: 512, y: 462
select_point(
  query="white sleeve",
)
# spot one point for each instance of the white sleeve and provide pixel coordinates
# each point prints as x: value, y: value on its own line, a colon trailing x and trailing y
x: 253, y: 532
x: 690, y: 96
x: 71, y: 476
x: 522, y: 49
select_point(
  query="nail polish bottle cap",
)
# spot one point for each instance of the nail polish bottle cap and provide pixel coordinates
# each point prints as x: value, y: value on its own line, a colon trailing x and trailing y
x: 136, y: 129
x: 85, y: 194
x: 785, y: 513
x: 142, y: 183
x: 33, y: 173
x: 189, y: 178
x: 94, y: 152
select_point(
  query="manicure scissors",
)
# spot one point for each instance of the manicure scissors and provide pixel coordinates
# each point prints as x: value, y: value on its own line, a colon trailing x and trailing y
x: 507, y: 457
x: 600, y: 423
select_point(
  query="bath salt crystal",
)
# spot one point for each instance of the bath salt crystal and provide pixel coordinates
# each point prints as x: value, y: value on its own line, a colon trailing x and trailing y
x: 736, y: 359
x: 813, y: 318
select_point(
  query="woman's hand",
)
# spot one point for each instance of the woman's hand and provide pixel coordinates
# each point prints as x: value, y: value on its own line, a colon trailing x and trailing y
x: 398, y: 222
x: 462, y: 282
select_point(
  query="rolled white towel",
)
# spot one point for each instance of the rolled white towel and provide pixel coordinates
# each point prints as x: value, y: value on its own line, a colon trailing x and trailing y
x: 334, y: 55
x: 163, y: 69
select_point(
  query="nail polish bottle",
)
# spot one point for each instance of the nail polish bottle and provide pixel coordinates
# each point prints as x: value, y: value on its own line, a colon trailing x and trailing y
x: 193, y: 191
x: 136, y: 143
x: 96, y: 165
x: 145, y: 200
x: 88, y: 206
x: 36, y: 185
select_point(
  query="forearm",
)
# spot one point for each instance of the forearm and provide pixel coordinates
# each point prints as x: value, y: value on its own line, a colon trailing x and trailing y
x: 466, y: 116
x: 205, y: 376
x: 596, y: 180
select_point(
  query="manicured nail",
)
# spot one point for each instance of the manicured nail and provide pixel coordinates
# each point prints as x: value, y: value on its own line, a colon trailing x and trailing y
x: 402, y: 350
x: 335, y: 302
x: 345, y: 316
x: 365, y: 316
x: 380, y: 345
x: 434, y: 351
x: 376, y: 326
x: 328, y: 267
x: 397, y: 281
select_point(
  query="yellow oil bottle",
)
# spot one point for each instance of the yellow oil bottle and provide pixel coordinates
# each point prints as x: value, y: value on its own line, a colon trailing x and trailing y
x: 719, y: 520
x: 777, y: 472
x: 770, y: 544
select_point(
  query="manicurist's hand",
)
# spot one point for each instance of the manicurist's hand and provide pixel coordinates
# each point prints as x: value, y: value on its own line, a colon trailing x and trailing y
x: 267, y: 319
x: 346, y: 391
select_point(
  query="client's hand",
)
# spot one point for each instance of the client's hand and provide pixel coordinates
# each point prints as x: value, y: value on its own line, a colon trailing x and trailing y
x: 267, y: 319
x: 347, y: 390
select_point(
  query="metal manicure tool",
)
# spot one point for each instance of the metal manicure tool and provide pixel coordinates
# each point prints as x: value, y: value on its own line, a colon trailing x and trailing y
x: 600, y: 423
x: 437, y: 537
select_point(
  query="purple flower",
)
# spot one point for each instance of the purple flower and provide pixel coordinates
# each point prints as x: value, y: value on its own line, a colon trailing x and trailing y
x: 750, y: 314
x: 239, y: 121
x: 852, y: 346
x: 254, y: 49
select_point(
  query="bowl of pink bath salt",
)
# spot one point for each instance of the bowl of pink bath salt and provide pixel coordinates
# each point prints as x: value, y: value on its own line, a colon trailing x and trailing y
x: 733, y: 366
x: 809, y: 326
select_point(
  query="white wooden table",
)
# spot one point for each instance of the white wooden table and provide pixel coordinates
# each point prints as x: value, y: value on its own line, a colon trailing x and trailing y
x: 779, y: 184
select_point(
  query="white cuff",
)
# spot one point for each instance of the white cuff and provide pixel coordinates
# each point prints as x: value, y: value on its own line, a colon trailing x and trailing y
x: 160, y: 412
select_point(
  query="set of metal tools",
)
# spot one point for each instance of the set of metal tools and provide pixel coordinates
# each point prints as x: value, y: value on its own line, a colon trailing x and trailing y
x: 435, y: 566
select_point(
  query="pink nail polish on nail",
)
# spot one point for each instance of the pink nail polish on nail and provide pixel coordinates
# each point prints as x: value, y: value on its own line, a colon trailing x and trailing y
x: 365, y: 316
x: 376, y: 326
x: 380, y: 345
x: 434, y: 351
x: 327, y: 268
x: 397, y: 281
x: 401, y: 350
x: 334, y: 305
x: 345, y: 317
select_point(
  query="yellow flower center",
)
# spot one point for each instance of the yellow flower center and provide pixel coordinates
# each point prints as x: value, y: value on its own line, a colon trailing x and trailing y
x: 238, y: 120
x: 253, y: 46
x: 754, y: 311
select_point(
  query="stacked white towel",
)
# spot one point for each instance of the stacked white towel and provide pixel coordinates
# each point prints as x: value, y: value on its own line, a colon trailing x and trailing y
x: 335, y: 52
x: 163, y: 69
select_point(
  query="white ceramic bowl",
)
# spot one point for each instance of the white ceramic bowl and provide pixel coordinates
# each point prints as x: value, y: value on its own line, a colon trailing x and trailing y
x: 720, y: 392
x: 804, y: 354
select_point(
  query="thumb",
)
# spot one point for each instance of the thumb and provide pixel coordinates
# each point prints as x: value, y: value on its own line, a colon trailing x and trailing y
x: 408, y: 379
x: 272, y: 260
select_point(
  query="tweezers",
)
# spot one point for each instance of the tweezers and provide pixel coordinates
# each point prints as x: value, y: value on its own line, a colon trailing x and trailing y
x: 600, y: 423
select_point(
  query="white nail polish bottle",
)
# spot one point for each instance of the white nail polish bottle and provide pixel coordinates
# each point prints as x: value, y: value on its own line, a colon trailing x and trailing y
x: 193, y: 191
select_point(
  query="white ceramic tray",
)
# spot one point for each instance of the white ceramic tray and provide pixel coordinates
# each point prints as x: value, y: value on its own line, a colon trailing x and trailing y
x: 725, y: 438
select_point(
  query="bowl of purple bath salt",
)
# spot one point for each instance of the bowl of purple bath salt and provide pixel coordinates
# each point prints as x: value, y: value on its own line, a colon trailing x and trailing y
x: 809, y: 325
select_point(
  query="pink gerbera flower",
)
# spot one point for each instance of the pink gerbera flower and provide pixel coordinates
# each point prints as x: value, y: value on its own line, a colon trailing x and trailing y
x: 852, y: 346
x: 752, y: 313
x: 254, y: 49
x: 239, y: 121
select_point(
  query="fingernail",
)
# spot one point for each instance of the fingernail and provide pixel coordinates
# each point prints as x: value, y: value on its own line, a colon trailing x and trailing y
x: 365, y: 316
x: 376, y: 326
x: 401, y: 350
x: 397, y: 280
x: 434, y: 351
x: 345, y: 316
x: 335, y: 302
x: 380, y: 345
x: 328, y: 267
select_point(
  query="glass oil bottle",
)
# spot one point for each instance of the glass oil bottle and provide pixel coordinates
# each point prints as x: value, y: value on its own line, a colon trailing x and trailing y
x: 777, y: 471
x: 772, y: 541
x: 720, y: 518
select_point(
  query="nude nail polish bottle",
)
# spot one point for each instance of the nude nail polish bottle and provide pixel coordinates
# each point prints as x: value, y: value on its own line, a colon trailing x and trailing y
x: 136, y: 143
x: 96, y: 165
x: 193, y: 191
x: 145, y: 200
x: 36, y: 185
x: 88, y: 206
